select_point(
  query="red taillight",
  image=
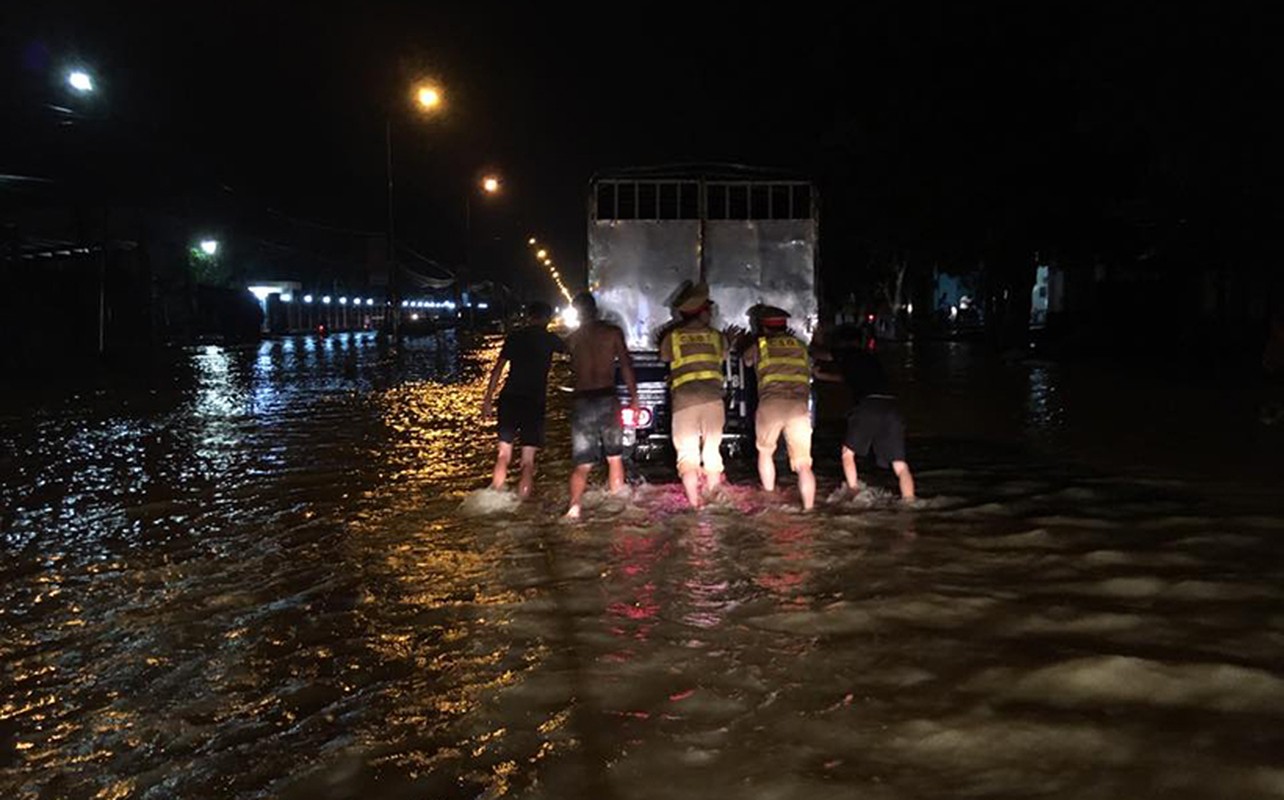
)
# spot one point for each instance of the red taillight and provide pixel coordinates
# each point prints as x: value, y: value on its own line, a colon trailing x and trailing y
x: 641, y: 420
x: 872, y: 344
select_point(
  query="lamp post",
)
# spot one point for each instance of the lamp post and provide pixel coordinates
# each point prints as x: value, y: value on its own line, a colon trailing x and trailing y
x: 490, y: 184
x: 428, y: 98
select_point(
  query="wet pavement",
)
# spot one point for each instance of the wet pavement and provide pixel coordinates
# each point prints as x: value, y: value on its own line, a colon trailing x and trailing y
x: 246, y: 573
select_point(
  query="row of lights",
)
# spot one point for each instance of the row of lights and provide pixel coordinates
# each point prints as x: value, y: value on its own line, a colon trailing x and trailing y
x: 446, y: 304
x: 543, y: 257
x: 325, y: 300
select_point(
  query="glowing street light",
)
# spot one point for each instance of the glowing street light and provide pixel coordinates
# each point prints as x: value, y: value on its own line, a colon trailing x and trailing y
x: 428, y: 96
x: 531, y: 241
x: 541, y: 255
x: 209, y: 247
x: 307, y: 298
x: 81, y: 81
x: 490, y: 184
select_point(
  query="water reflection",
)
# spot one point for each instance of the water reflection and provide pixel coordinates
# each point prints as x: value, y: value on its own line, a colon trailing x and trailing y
x: 1045, y: 411
x: 250, y: 580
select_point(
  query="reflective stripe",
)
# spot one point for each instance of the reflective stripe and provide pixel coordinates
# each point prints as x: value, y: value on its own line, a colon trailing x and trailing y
x: 703, y: 375
x: 773, y: 378
x: 688, y: 366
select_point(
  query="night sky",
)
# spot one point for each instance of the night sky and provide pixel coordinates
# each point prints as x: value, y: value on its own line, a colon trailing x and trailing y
x: 934, y: 130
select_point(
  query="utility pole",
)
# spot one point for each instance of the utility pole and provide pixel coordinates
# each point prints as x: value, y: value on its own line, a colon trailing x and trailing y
x: 394, y: 295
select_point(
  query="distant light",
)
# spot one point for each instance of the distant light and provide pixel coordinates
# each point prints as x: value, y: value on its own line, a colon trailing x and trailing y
x: 209, y: 246
x: 429, y: 97
x: 307, y: 298
x: 262, y: 292
x: 542, y: 254
x: 369, y: 301
x: 405, y: 304
x: 954, y: 312
x: 490, y: 184
x: 80, y: 81
x: 414, y: 317
x: 909, y: 308
x: 343, y: 301
x: 531, y: 241
x: 571, y: 317
x: 326, y: 299
x: 483, y: 306
x: 548, y: 262
x: 286, y: 297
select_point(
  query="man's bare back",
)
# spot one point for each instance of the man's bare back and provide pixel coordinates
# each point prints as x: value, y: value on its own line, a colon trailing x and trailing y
x: 594, y: 349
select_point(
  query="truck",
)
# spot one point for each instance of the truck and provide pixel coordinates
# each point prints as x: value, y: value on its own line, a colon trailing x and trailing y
x: 750, y: 233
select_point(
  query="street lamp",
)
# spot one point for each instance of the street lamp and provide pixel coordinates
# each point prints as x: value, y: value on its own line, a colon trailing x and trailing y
x: 209, y: 247
x: 81, y: 81
x: 490, y: 184
x: 541, y: 255
x: 531, y: 241
x: 429, y: 98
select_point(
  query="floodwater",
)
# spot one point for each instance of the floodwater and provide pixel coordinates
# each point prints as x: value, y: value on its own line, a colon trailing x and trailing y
x: 247, y: 574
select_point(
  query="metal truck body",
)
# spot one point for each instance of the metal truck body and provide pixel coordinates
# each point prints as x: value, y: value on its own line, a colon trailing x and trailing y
x: 751, y: 234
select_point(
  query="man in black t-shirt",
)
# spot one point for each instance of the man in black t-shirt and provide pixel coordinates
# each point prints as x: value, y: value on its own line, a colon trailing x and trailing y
x: 529, y: 353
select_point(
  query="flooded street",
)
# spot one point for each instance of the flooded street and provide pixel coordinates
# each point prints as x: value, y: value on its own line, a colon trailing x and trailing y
x: 246, y: 574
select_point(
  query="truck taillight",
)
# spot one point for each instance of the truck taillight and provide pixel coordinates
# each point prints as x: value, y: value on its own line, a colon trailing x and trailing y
x: 641, y: 420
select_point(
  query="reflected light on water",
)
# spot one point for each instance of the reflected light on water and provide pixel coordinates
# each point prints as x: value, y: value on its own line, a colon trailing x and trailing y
x: 426, y: 418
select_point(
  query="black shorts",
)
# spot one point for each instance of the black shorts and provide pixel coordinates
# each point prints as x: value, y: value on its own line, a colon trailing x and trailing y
x: 596, y: 430
x: 521, y: 418
x: 875, y: 424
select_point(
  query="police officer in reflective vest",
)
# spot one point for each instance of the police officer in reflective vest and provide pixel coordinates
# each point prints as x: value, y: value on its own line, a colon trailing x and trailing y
x: 784, y: 392
x: 696, y: 354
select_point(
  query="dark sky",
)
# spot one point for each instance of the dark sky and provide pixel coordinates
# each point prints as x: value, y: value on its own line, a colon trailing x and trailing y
x: 931, y: 127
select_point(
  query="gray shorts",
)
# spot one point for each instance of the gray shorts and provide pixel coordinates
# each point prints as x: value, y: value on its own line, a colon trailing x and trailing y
x: 596, y: 430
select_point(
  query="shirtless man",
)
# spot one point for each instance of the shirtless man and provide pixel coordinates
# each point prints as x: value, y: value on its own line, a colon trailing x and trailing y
x: 596, y: 429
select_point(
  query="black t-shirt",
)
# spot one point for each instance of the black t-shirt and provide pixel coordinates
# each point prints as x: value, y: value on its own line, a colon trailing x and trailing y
x: 529, y: 353
x: 862, y: 373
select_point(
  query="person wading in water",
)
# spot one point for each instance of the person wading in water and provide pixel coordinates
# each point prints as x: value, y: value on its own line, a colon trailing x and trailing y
x: 696, y: 354
x: 784, y: 391
x: 596, y: 430
x: 529, y: 352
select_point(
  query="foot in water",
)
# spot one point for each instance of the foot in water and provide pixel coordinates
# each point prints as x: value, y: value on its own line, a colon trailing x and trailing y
x: 573, y: 514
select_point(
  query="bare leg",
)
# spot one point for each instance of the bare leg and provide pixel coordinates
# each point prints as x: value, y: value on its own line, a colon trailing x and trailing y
x: 528, y: 472
x: 906, y: 479
x: 711, y: 456
x: 505, y: 456
x: 807, y: 486
x: 767, y: 470
x: 849, y: 467
x: 579, y: 482
x: 691, y: 485
x: 615, y: 473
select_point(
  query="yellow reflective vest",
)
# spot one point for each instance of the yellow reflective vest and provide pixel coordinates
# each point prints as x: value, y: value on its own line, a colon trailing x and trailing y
x: 697, y: 357
x: 783, y: 369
